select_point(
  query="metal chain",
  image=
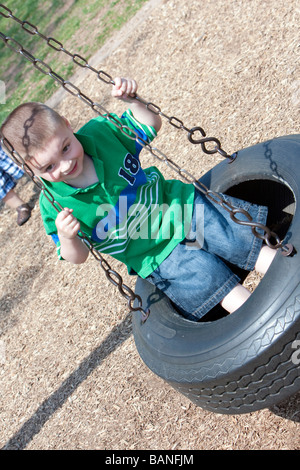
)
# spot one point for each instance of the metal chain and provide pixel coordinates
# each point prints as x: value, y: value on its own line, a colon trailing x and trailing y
x: 107, y: 78
x: 113, y: 276
x: 184, y: 174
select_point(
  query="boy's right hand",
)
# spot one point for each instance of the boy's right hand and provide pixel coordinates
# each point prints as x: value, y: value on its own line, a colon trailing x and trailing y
x: 67, y: 225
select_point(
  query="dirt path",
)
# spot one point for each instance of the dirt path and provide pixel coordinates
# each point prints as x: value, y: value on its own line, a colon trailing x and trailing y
x: 71, y: 377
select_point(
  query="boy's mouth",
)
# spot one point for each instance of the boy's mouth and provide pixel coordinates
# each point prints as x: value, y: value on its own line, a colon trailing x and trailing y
x: 73, y: 170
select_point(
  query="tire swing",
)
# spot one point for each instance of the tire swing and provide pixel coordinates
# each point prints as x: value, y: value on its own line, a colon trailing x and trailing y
x: 245, y: 361
x: 227, y: 364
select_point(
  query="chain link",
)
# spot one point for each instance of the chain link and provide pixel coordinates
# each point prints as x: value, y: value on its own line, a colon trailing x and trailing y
x: 107, y: 78
x: 113, y: 276
x: 184, y: 174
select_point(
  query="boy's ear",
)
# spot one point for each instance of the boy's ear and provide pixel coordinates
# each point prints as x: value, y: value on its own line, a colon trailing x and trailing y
x: 67, y: 122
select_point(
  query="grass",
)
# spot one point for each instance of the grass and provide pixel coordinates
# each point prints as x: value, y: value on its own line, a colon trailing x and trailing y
x: 82, y: 27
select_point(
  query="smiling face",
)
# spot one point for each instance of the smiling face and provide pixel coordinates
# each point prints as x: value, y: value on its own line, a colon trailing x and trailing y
x: 61, y: 157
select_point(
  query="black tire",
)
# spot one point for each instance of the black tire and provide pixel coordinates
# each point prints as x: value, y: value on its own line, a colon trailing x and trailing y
x: 245, y: 361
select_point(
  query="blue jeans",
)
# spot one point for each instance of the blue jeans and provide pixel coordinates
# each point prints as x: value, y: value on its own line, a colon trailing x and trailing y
x: 194, y: 276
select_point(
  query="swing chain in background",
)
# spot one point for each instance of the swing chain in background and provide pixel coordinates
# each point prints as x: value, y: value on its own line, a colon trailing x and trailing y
x: 113, y: 276
x: 215, y: 197
x: 107, y: 78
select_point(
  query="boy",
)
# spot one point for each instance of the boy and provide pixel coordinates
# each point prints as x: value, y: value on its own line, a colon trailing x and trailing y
x: 150, y: 224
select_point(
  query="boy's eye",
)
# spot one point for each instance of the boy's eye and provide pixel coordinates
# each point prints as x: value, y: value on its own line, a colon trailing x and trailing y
x: 66, y: 148
x: 49, y: 168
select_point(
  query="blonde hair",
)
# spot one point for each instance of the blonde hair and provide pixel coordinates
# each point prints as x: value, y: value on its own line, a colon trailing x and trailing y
x: 29, y: 126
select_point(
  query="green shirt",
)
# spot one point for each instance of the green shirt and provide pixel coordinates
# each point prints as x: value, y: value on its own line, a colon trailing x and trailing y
x: 132, y: 214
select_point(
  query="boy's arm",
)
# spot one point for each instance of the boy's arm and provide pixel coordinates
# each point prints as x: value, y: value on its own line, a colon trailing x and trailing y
x: 72, y: 249
x: 125, y: 89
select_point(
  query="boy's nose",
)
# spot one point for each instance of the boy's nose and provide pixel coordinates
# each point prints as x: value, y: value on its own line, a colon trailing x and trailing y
x: 65, y: 166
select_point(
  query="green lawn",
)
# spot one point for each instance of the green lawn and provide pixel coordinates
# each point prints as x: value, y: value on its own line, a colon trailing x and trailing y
x: 81, y: 26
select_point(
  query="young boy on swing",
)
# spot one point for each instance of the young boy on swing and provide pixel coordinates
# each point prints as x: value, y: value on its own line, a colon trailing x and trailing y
x: 149, y: 223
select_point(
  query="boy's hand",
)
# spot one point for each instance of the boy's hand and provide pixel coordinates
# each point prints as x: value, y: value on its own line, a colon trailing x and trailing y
x: 67, y: 225
x: 124, y: 89
x: 71, y: 247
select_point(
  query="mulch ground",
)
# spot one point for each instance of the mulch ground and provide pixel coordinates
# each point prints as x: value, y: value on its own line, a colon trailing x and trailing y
x: 71, y: 377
